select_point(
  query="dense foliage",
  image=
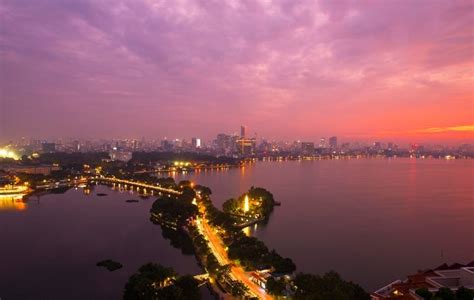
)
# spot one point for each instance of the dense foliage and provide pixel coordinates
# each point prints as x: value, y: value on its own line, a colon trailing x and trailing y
x: 72, y: 159
x: 147, y: 157
x: 174, y: 211
x: 276, y: 286
x: 153, y: 281
x: 446, y: 294
x: 330, y: 286
x: 253, y: 254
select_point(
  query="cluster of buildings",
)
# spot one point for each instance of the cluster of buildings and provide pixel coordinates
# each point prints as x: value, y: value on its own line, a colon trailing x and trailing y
x: 452, y: 276
x: 236, y: 145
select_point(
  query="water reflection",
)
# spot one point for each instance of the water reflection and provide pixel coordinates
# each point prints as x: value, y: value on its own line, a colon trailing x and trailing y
x: 12, y: 202
x: 250, y: 230
x: 71, y: 232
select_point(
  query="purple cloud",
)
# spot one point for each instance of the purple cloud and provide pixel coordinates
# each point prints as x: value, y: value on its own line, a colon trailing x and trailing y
x: 182, y: 68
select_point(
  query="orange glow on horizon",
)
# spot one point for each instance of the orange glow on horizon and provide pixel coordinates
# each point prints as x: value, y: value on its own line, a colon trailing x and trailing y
x: 459, y: 131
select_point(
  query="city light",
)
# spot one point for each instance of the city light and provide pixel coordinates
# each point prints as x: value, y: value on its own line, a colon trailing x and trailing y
x: 246, y: 203
x: 6, y: 153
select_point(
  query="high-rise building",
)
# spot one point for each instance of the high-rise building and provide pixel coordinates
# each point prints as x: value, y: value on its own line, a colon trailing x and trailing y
x: 166, y: 145
x: 307, y: 148
x: 377, y: 146
x: 333, y: 142
x: 243, y: 131
x: 322, y: 143
x: 246, y: 146
x: 48, y: 147
x: 76, y: 146
x: 196, y: 143
x: 223, y: 143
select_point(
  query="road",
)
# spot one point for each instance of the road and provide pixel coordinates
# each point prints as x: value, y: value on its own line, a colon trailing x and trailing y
x: 237, y: 273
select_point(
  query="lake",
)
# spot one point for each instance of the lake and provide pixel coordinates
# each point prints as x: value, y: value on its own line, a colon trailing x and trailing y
x: 50, y: 246
x: 371, y: 220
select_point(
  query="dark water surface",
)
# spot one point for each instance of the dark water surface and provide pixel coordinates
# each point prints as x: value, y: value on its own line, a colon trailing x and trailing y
x: 49, y: 250
x: 371, y: 220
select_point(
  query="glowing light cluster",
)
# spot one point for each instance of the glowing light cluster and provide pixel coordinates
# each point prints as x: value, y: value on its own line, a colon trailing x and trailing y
x: 182, y: 163
x: 246, y: 203
x: 6, y: 153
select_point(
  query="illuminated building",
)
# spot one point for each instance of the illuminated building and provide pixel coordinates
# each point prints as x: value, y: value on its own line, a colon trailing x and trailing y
x: 10, y: 190
x: 196, y: 143
x: 6, y: 153
x: 246, y: 146
x: 41, y: 169
x: 444, y: 276
x: 120, y: 155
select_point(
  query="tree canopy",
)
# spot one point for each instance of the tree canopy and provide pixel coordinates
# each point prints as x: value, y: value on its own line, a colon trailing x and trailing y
x: 154, y: 281
x: 330, y: 286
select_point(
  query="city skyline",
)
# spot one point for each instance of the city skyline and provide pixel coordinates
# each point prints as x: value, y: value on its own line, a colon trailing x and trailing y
x: 286, y: 69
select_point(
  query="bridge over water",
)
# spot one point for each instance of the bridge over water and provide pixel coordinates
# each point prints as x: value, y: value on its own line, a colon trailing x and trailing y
x: 137, y: 184
x: 247, y: 221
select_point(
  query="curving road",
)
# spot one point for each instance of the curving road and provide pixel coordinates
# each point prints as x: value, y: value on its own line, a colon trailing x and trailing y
x: 237, y: 273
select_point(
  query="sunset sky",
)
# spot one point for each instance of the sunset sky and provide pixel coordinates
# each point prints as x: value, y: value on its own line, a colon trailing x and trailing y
x: 287, y: 69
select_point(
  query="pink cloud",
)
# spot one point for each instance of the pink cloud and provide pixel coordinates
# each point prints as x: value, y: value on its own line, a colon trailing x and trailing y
x: 199, y: 67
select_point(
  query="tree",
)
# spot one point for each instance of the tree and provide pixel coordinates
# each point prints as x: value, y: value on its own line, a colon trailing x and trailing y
x: 145, y: 283
x: 188, y: 288
x: 212, y: 264
x: 173, y: 211
x: 231, y: 206
x: 445, y: 294
x: 204, y: 190
x: 238, y: 289
x: 153, y: 281
x: 276, y: 286
x: 424, y: 293
x: 330, y: 286
x: 464, y: 294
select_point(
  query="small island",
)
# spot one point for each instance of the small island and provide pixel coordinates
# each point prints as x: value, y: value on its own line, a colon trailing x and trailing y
x: 255, y: 205
x: 131, y: 201
x: 110, y: 265
x: 101, y: 194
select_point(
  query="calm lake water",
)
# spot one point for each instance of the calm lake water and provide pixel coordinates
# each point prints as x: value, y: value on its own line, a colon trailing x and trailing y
x: 49, y: 249
x: 371, y: 220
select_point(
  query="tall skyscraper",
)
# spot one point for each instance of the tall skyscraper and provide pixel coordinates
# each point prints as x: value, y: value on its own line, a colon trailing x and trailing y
x: 243, y: 131
x: 333, y: 142
x: 196, y: 142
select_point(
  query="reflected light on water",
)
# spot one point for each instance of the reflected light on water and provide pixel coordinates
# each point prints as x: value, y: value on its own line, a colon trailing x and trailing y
x: 12, y: 202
